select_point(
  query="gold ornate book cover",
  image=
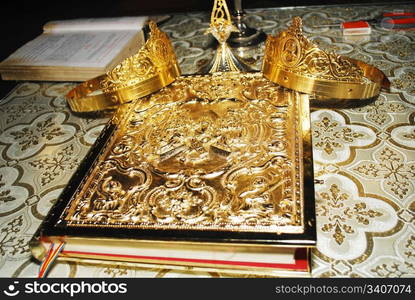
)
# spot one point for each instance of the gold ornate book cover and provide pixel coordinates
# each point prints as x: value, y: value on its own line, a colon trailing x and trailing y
x: 207, y: 163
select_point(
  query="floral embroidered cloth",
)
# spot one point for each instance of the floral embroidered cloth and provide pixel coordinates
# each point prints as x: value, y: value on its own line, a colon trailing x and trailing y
x: 366, y: 157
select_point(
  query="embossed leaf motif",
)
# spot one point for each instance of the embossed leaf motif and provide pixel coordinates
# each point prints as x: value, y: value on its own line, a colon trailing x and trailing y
x: 379, y: 112
x: 4, y: 194
x: 27, y: 137
x: 405, y: 82
x: 329, y: 135
x: 393, y: 270
x: 43, y: 129
x: 335, y: 198
x: 397, y: 175
x: 362, y: 215
x: 339, y: 216
x: 9, y: 243
x: 398, y: 47
x: 52, y: 166
x: 116, y: 270
x: 22, y: 108
x: 402, y: 267
x: 47, y: 129
x: 410, y: 245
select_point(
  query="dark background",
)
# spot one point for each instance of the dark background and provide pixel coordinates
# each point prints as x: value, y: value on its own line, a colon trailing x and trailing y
x: 22, y: 20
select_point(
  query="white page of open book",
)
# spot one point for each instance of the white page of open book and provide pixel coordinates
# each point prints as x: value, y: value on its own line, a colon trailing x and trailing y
x: 85, y: 49
x: 105, y: 24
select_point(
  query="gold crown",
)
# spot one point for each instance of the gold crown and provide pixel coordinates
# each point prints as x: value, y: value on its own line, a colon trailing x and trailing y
x: 153, y: 67
x: 293, y: 61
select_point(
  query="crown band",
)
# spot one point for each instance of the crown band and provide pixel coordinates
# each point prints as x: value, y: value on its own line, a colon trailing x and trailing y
x: 82, y: 98
x: 291, y: 60
x: 151, y: 69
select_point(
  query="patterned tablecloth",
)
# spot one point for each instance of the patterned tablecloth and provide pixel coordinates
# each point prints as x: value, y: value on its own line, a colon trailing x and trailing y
x: 366, y: 157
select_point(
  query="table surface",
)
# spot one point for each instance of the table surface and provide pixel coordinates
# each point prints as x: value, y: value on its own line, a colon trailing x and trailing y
x: 365, y: 207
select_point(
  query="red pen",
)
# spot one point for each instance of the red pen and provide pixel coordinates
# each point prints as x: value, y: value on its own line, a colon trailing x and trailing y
x: 388, y: 20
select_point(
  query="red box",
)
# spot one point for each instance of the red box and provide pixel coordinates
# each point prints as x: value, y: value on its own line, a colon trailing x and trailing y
x: 356, y: 28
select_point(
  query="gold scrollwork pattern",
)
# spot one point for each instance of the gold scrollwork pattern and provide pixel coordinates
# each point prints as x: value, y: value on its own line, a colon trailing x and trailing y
x: 293, y: 52
x: 223, y: 157
x: 155, y: 55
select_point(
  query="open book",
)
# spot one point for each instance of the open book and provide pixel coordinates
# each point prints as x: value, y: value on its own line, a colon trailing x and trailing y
x: 75, y: 50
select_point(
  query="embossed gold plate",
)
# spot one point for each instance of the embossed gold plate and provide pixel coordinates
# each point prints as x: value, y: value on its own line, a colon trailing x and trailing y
x: 208, y: 153
x: 218, y: 163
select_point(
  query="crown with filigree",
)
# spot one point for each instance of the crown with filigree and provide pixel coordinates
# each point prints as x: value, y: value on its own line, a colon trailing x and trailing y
x: 295, y: 62
x: 153, y: 67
